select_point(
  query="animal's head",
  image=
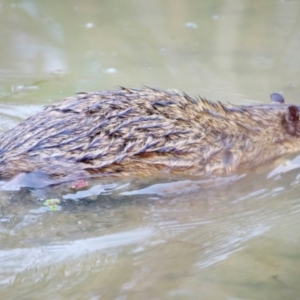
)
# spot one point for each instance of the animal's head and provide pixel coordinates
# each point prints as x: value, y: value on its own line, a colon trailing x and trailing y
x: 291, y: 117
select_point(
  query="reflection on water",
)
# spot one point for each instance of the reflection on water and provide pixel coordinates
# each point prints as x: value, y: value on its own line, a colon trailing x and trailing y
x: 226, y: 238
x: 20, y: 260
x: 232, y: 237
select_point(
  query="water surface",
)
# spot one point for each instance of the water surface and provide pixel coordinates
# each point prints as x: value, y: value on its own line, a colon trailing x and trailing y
x: 234, y: 237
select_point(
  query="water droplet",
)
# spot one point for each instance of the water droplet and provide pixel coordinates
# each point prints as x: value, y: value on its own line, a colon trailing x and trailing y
x: 191, y: 25
x: 111, y: 70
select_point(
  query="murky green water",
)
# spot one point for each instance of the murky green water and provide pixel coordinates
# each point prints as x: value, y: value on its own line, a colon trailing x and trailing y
x: 169, y: 238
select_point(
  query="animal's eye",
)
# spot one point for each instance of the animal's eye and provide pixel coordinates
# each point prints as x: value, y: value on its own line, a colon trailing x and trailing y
x: 292, y: 119
x: 293, y: 113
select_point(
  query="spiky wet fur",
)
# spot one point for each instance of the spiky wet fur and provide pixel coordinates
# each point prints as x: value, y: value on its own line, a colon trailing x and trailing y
x: 141, y: 132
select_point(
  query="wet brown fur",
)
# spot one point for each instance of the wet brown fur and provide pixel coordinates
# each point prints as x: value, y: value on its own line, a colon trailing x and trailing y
x: 142, y: 132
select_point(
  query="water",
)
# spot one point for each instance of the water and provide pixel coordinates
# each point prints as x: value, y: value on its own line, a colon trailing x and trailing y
x: 234, y: 237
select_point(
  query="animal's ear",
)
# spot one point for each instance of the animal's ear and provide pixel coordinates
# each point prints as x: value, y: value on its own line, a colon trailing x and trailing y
x: 292, y: 119
x: 276, y: 98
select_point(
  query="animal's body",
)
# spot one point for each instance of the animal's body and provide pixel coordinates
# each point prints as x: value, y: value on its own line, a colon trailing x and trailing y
x: 142, y: 132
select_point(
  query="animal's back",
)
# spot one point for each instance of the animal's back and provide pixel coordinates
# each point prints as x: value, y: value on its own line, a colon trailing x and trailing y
x: 140, y: 132
x: 114, y: 132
